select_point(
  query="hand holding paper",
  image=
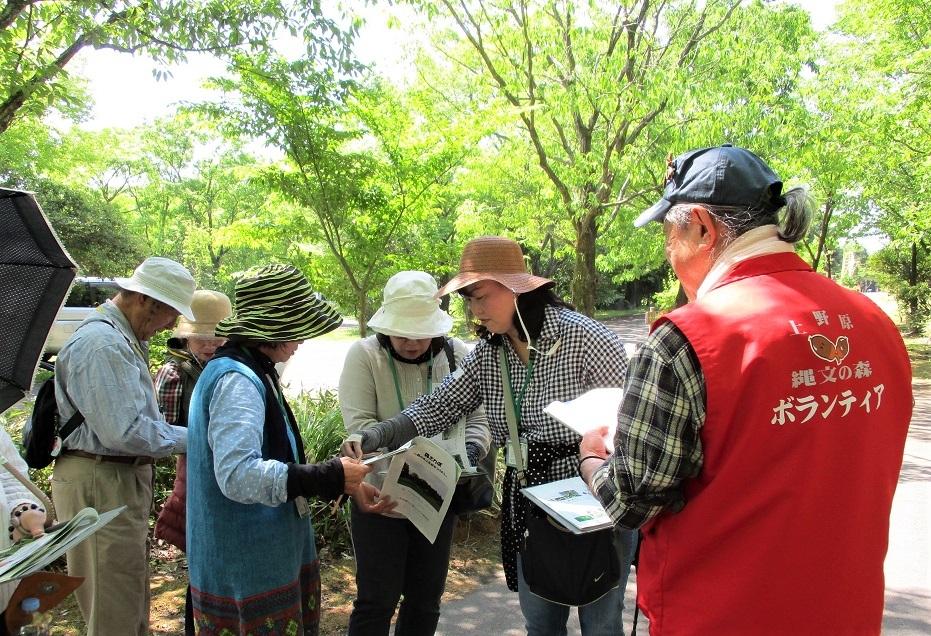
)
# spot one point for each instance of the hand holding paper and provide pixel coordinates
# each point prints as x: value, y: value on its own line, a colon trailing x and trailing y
x: 593, y: 410
x: 593, y: 443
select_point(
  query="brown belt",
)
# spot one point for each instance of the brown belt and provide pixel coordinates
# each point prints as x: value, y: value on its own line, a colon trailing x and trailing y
x: 116, y: 459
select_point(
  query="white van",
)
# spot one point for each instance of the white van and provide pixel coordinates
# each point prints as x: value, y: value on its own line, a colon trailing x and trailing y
x: 86, y: 293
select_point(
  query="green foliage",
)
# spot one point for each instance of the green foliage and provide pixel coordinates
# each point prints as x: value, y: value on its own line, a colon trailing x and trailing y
x: 665, y: 299
x: 38, y: 39
x: 359, y: 174
x: 906, y: 274
x: 92, y: 230
x: 920, y: 354
x: 321, y: 424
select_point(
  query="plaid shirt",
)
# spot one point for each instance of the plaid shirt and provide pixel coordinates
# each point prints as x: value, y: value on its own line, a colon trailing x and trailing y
x: 585, y: 355
x: 657, y: 446
x: 168, y: 390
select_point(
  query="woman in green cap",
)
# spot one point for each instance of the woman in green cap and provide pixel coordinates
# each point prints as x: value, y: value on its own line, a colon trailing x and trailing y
x: 253, y: 562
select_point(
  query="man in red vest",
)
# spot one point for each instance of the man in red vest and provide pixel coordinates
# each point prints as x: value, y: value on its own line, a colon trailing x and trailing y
x: 760, y: 439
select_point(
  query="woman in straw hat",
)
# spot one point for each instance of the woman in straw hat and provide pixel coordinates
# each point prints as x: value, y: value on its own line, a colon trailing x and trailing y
x: 190, y: 347
x: 253, y: 563
x: 407, y: 357
x: 551, y: 353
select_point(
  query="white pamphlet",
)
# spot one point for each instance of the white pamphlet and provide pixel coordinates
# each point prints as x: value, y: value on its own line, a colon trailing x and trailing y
x: 422, y: 479
x: 590, y: 411
x: 571, y: 503
x: 452, y: 440
x: 24, y: 558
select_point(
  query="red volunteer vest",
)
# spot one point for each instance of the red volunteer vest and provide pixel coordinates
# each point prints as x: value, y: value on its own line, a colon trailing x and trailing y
x: 785, y: 529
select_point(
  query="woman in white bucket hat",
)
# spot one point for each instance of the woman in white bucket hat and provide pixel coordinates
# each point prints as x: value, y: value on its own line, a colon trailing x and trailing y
x: 407, y: 357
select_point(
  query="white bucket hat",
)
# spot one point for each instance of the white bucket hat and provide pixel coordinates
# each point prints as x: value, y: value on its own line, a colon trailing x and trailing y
x: 411, y: 308
x: 164, y: 280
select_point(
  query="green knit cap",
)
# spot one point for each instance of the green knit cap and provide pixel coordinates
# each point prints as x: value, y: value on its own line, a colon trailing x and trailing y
x: 275, y: 303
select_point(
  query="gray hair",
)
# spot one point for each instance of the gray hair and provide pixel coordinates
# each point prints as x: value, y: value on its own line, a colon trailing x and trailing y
x: 737, y: 220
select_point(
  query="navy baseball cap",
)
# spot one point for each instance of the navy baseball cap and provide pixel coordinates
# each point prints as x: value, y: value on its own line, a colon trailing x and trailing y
x: 722, y: 175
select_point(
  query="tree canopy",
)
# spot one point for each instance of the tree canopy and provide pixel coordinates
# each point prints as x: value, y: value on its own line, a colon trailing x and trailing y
x: 547, y: 121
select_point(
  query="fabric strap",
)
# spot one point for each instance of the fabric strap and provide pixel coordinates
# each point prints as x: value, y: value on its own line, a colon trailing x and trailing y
x: 31, y: 487
x: 510, y: 413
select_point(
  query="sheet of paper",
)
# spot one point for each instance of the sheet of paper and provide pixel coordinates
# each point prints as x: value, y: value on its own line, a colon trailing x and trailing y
x: 24, y: 559
x: 422, y: 480
x: 452, y: 440
x: 570, y: 502
x: 589, y: 411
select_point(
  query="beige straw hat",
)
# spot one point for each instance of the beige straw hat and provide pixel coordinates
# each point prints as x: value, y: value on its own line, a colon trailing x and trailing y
x: 494, y: 258
x: 209, y: 307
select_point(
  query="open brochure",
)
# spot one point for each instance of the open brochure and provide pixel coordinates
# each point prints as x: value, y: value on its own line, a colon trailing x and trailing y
x: 452, y: 440
x: 421, y: 479
x: 571, y: 503
x: 24, y: 558
x: 589, y: 411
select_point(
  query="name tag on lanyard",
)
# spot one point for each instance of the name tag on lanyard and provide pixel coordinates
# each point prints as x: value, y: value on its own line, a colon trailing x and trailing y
x: 303, y: 508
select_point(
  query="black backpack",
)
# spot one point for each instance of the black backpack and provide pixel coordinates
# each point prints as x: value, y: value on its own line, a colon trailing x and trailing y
x: 42, y: 442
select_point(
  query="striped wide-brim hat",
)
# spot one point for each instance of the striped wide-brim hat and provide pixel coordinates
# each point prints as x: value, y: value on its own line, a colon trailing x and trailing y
x: 275, y: 303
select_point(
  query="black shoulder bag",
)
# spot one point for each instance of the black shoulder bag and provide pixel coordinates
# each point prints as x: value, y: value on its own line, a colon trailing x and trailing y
x: 558, y: 565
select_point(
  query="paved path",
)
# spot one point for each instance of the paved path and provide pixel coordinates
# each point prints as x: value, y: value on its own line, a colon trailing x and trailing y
x: 908, y: 562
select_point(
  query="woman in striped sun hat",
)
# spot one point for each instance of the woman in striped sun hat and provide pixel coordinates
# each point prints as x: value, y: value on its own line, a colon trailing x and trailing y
x: 252, y: 558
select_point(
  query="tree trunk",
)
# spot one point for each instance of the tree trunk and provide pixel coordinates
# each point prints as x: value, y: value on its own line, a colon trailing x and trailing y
x: 362, y: 310
x: 913, y: 281
x: 584, y: 276
x: 823, y: 233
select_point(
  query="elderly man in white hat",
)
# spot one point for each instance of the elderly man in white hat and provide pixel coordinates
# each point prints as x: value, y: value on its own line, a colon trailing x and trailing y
x: 102, y: 372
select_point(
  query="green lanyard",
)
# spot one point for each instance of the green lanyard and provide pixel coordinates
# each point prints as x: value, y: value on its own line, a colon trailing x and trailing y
x: 519, y: 399
x: 397, y: 384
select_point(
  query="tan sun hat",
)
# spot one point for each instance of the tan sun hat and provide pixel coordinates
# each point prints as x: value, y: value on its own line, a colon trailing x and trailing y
x: 411, y: 308
x: 494, y: 258
x: 209, y: 307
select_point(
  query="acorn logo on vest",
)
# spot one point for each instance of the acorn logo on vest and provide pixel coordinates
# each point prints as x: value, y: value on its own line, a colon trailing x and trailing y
x: 826, y: 349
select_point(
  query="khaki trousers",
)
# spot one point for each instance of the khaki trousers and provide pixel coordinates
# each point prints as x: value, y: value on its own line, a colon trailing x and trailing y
x: 114, y: 597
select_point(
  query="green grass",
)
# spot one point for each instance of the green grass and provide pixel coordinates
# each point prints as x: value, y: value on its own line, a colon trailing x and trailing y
x: 919, y: 350
x: 606, y: 314
x: 342, y: 334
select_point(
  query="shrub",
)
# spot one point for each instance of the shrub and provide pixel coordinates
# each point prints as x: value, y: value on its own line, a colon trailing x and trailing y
x: 321, y: 425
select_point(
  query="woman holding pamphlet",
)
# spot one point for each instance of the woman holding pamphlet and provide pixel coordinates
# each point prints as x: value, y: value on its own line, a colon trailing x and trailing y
x: 253, y: 562
x: 534, y: 350
x: 407, y: 357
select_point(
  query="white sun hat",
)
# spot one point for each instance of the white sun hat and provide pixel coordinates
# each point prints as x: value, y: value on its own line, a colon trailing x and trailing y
x: 411, y: 308
x: 164, y: 280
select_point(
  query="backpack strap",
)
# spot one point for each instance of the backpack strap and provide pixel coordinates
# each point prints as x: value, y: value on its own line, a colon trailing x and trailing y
x: 450, y: 356
x: 78, y: 418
